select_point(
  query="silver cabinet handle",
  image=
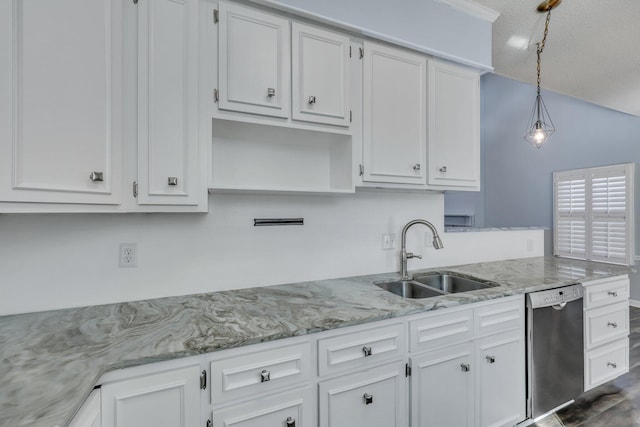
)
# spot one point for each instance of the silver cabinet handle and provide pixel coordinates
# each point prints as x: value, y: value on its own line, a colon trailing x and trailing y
x: 172, y: 180
x: 265, y: 376
x: 612, y: 293
x: 613, y: 365
x: 271, y: 92
x: 290, y: 422
x: 465, y: 367
x: 443, y: 169
x: 312, y: 100
x: 96, y: 176
x: 366, y: 350
x: 612, y: 324
x: 491, y: 359
x: 416, y: 167
x: 368, y: 399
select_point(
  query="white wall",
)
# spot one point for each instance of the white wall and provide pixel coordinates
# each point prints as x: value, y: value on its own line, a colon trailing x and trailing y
x: 52, y: 261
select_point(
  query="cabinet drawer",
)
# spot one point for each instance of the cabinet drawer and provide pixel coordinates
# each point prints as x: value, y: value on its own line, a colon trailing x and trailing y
x: 437, y: 330
x: 499, y: 317
x: 606, y: 363
x: 606, y: 324
x: 295, y: 408
x: 360, y: 349
x: 259, y: 369
x: 606, y: 292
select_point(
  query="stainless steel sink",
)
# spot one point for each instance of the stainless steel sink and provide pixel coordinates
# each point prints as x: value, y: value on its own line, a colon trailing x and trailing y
x: 433, y: 285
x: 409, y: 289
x: 451, y: 283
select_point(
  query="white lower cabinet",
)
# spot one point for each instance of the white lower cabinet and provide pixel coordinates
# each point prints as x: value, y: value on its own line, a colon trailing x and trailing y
x: 481, y: 380
x: 442, y: 387
x: 163, y: 399
x: 89, y: 414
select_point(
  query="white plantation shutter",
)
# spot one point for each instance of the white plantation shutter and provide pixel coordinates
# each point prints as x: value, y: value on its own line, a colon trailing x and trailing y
x: 593, y: 214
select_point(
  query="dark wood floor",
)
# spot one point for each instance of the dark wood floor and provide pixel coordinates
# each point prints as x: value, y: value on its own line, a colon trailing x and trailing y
x: 615, y: 404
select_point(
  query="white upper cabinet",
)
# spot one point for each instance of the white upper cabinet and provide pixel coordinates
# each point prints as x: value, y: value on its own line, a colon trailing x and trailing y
x: 395, y: 115
x: 168, y: 102
x: 454, y: 126
x: 320, y: 75
x: 254, y: 61
x: 60, y: 90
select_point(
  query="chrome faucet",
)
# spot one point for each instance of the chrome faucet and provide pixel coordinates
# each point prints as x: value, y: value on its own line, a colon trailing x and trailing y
x: 404, y: 256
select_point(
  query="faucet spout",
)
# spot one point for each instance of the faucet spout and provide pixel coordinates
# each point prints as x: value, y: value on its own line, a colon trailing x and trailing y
x: 404, y: 256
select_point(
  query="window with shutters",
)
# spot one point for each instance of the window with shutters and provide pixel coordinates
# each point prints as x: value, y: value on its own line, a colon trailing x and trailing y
x: 593, y: 214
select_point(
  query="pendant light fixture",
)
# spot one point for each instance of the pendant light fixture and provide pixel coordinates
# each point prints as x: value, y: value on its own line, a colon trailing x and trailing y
x: 540, y: 125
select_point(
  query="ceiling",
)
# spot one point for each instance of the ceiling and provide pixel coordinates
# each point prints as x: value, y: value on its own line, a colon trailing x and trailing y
x: 592, y: 51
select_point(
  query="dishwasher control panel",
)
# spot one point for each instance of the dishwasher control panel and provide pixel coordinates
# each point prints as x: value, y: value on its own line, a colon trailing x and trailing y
x: 555, y: 296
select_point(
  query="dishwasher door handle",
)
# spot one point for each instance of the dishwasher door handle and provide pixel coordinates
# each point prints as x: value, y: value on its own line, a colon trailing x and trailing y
x: 559, y: 306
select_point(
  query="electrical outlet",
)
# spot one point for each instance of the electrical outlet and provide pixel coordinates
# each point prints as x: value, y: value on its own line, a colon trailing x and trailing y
x: 388, y: 241
x: 128, y: 255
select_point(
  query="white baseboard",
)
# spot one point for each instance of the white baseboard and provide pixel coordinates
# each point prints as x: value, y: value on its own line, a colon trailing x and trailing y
x: 634, y: 303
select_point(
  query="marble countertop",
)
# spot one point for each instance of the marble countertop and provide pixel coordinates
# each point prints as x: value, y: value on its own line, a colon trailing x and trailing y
x: 50, y: 361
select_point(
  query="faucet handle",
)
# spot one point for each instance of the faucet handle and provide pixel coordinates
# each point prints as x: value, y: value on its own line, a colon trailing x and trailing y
x: 411, y: 255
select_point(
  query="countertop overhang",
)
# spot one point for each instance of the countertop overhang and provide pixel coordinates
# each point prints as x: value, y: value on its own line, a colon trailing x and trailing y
x: 50, y: 361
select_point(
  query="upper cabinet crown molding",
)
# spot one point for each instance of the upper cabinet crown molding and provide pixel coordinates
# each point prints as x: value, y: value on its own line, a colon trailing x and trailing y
x: 474, y: 9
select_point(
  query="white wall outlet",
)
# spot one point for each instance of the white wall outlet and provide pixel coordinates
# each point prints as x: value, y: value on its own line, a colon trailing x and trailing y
x: 388, y: 241
x: 128, y: 255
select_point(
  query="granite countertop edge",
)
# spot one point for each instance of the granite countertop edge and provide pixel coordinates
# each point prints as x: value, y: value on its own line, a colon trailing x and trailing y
x: 42, y: 353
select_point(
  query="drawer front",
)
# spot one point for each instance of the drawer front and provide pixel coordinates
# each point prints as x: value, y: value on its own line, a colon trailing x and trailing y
x: 360, y: 349
x: 606, y: 292
x: 293, y: 408
x: 606, y: 363
x: 259, y: 371
x: 606, y: 324
x: 439, y: 330
x: 499, y: 317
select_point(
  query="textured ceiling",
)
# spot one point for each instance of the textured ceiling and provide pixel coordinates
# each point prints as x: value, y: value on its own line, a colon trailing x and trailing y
x: 592, y: 51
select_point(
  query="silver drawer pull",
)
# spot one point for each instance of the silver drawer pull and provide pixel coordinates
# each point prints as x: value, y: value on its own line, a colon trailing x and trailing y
x: 491, y: 359
x: 312, y: 100
x: 96, y: 176
x: 172, y: 180
x: 612, y: 324
x: 416, y: 167
x: 271, y: 92
x: 290, y: 422
x: 366, y: 350
x: 612, y: 293
x: 443, y: 169
x: 613, y: 365
x: 368, y: 399
x: 265, y: 376
x: 465, y: 367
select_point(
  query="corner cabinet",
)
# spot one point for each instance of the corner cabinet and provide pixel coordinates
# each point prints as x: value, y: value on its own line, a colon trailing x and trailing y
x: 454, y: 127
x: 394, y: 115
x: 61, y: 101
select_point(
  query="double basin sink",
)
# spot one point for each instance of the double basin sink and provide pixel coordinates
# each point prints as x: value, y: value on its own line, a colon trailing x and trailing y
x: 433, y: 285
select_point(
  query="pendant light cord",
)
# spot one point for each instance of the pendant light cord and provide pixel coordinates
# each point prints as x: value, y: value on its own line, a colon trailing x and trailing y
x: 542, y: 43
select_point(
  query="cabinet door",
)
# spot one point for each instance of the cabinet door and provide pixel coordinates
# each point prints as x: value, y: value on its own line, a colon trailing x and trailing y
x: 501, y: 391
x: 167, y: 102
x: 254, y: 62
x: 442, y: 388
x: 291, y: 409
x: 373, y: 398
x: 321, y: 75
x: 454, y: 126
x: 60, y: 140
x: 395, y: 116
x: 167, y: 399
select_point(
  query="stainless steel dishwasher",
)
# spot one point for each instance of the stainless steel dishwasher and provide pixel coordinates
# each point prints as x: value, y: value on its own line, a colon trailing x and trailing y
x: 555, y: 348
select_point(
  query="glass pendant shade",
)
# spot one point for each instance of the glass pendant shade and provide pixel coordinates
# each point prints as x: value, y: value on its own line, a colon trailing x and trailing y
x: 540, y: 126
